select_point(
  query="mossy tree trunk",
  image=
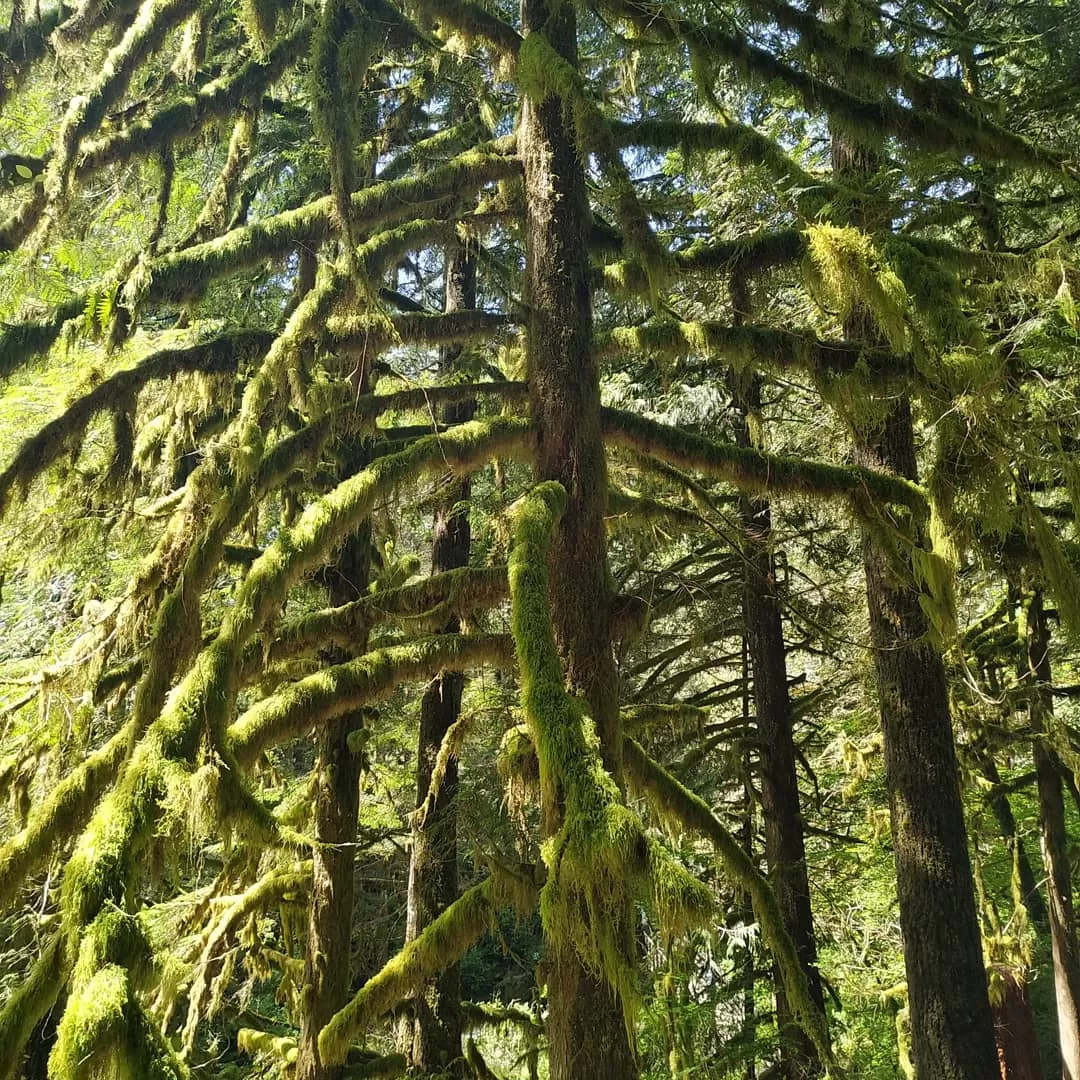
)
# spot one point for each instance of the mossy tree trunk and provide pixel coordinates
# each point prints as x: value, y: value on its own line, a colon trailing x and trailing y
x: 785, y: 850
x: 587, y: 1035
x: 1048, y: 773
x: 433, y: 1033
x: 337, y: 801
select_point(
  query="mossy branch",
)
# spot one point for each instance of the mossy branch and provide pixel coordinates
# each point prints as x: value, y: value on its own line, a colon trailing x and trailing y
x: 753, y: 470
x: 675, y: 801
x: 343, y: 688
x: 749, y: 348
x: 442, y: 943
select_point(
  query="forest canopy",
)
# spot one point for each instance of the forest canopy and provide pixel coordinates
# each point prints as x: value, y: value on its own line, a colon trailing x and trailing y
x: 538, y: 540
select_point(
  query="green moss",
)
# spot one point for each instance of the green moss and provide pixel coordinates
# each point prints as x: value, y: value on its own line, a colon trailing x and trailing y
x: 753, y: 470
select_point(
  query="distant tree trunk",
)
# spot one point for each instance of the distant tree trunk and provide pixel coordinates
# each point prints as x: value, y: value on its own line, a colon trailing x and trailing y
x: 587, y: 1034
x: 434, y: 1031
x: 337, y: 801
x: 1048, y: 772
x: 785, y: 851
x: 1014, y: 1030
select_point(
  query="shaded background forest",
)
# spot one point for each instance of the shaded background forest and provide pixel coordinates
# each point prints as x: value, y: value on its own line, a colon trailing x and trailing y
x: 277, y: 390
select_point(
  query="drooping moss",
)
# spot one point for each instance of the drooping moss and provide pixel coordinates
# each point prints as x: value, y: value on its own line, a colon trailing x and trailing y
x: 220, y: 355
x: 678, y: 803
x: 257, y: 898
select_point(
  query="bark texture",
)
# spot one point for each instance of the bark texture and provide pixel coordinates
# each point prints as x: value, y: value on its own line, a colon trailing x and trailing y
x: 337, y: 801
x: 587, y: 1033
x: 1014, y: 1030
x: 434, y: 1031
x: 785, y: 850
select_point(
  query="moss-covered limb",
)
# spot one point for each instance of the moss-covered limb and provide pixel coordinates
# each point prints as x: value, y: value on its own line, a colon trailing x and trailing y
x: 430, y: 602
x: 86, y: 111
x: 749, y: 347
x: 180, y: 275
x: 431, y: 398
x: 450, y: 139
x: 30, y: 1002
x: 282, y: 1047
x: 23, y: 46
x: 220, y: 355
x: 267, y: 891
x: 677, y: 803
x: 214, y: 217
x: 637, y: 718
x: 631, y: 506
x: 747, y: 145
x: 442, y: 943
x: 192, y: 113
x: 471, y: 21
x: 752, y: 470
x: 22, y: 341
x: 487, y: 1014
x: 417, y: 329
x: 60, y: 816
x: 343, y: 688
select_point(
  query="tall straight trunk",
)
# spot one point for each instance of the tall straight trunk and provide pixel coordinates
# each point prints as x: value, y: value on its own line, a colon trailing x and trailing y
x: 1048, y: 772
x: 785, y: 850
x: 433, y: 1038
x: 337, y: 802
x: 952, y: 1034
x: 952, y: 1030
x: 586, y: 1030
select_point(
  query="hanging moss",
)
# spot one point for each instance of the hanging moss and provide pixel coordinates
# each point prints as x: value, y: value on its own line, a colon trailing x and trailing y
x: 342, y: 688
x: 439, y: 945
x: 752, y: 470
x: 269, y: 890
x: 221, y: 355
x: 86, y: 112
x: 22, y: 341
x: 1061, y: 574
x: 678, y: 803
x: 472, y: 21
x: 599, y: 860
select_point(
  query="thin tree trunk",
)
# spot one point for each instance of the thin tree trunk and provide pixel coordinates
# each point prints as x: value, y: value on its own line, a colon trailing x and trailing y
x: 952, y: 1034
x: 785, y: 851
x: 337, y: 801
x: 434, y: 1031
x: 587, y: 1033
x: 1048, y: 770
x: 1014, y: 1030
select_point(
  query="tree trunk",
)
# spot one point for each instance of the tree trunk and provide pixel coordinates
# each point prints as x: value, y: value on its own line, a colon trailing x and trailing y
x: 785, y: 851
x: 1048, y: 771
x: 952, y: 1033
x: 1014, y: 1030
x: 587, y: 1034
x: 337, y: 801
x: 434, y: 1031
